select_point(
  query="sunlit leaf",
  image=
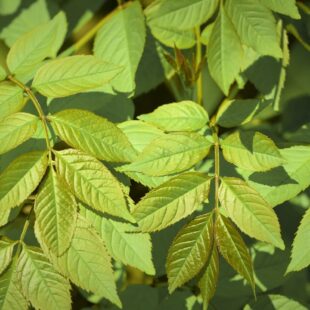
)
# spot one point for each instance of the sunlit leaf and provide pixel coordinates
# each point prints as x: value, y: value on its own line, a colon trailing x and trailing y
x: 11, y: 99
x: 72, y: 75
x: 124, y: 242
x: 16, y: 129
x: 189, y: 251
x: 301, y: 252
x: 251, y: 151
x: 172, y: 201
x: 179, y: 116
x: 6, y: 251
x: 170, y: 154
x: 233, y: 248
x: 121, y: 41
x: 56, y: 213
x: 92, y: 182
x: 252, y: 214
x: 93, y: 134
x: 40, y: 282
x: 21, y: 178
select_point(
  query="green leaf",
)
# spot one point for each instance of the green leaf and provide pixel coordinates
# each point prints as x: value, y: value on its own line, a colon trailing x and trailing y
x: 92, y: 182
x: 300, y: 257
x: 174, y: 37
x: 88, y: 265
x: 255, y: 25
x: 251, y: 151
x: 34, y: 46
x: 271, y: 301
x: 179, y: 116
x: 285, y: 7
x: 208, y: 281
x: 189, y: 251
x: 16, y: 129
x: 10, y: 296
x: 40, y: 283
x: 233, y: 248
x: 182, y: 14
x: 233, y: 113
x: 36, y: 14
x: 170, y: 153
x: 56, y: 214
x: 139, y: 133
x: 3, y: 73
x: 250, y: 212
x: 281, y: 184
x: 72, y: 75
x: 9, y: 7
x: 93, y: 134
x: 21, y: 178
x: 126, y: 29
x: 123, y: 241
x: 11, y: 99
x: 172, y: 201
x: 224, y: 52
x: 6, y: 251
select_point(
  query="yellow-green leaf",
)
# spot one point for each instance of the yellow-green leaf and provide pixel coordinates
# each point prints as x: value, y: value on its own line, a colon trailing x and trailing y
x: 93, y: 134
x: 189, y: 251
x: 170, y: 153
x: 250, y: 212
x: 40, y: 282
x: 16, y: 129
x: 72, y: 75
x: 251, y: 151
x: 172, y: 201
x: 21, y: 178
x: 6, y: 251
x: 11, y: 99
x: 56, y: 213
x: 233, y: 248
x: 178, y: 116
x: 92, y: 182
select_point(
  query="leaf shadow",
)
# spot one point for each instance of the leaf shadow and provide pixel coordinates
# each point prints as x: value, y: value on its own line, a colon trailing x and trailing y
x: 274, y: 177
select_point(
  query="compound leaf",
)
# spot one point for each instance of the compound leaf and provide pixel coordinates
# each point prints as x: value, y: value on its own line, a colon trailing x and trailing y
x: 121, y: 41
x: 189, y: 251
x: 251, y: 151
x: 92, y: 182
x: 72, y: 75
x: 170, y: 153
x: 233, y: 248
x: 178, y: 116
x: 224, y: 52
x: 56, y: 214
x: 123, y: 241
x: 21, y: 178
x: 40, y: 282
x: 251, y: 213
x: 172, y: 201
x: 16, y: 129
x: 93, y: 134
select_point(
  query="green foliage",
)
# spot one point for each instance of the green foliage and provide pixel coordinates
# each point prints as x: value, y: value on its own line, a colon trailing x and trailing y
x: 137, y: 139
